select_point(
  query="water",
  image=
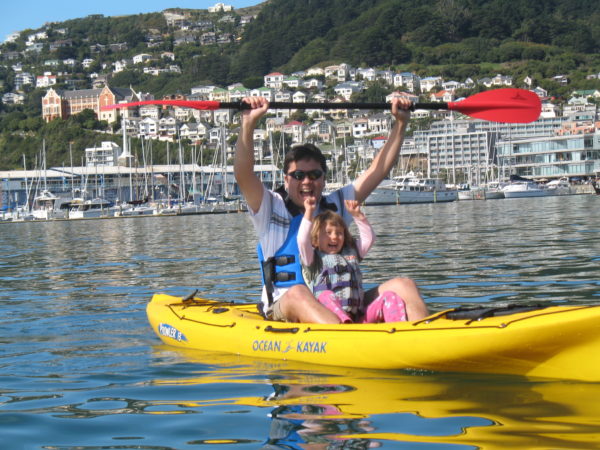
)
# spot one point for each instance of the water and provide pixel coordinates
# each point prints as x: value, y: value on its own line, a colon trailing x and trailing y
x: 81, y: 368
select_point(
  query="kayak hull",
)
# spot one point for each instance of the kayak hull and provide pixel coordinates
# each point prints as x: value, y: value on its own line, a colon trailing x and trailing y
x: 553, y: 342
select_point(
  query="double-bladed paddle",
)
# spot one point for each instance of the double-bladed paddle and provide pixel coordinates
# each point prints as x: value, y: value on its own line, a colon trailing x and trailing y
x: 509, y: 105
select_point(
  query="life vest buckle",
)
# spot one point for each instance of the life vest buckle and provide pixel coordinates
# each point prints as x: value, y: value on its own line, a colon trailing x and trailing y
x: 285, y: 276
x: 284, y: 260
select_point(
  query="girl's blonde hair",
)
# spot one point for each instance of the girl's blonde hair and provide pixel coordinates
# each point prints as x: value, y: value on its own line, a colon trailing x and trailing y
x: 334, y: 219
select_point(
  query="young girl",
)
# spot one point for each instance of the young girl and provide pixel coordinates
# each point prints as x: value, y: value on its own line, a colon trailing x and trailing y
x: 330, y: 258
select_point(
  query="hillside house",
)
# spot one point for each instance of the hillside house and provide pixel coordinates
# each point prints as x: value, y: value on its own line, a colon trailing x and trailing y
x: 407, y: 80
x: 141, y: 58
x: 299, y: 97
x: 430, y: 83
x: 148, y: 127
x: 45, y: 80
x: 345, y: 90
x: 360, y: 127
x: 23, y: 79
x: 323, y: 129
x: 296, y: 130
x: 379, y: 123
x: 274, y: 80
x: 13, y: 98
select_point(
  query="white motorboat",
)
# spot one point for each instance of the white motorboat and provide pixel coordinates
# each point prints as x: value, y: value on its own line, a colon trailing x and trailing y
x: 493, y: 190
x: 411, y: 189
x: 468, y: 192
x: 520, y: 187
x: 48, y: 206
x: 133, y: 209
x: 91, y: 209
x: 559, y: 187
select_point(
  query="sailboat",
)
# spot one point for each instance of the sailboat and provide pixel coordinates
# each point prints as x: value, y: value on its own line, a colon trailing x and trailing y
x: 132, y: 207
x: 46, y: 205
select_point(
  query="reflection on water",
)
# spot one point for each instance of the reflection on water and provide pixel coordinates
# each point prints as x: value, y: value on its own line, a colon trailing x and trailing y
x: 326, y: 407
x: 80, y: 367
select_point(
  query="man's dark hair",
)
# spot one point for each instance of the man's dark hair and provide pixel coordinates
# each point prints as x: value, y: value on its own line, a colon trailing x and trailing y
x: 304, y: 152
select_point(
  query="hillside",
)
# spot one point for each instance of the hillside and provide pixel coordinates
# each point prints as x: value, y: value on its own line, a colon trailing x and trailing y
x: 453, y: 38
x: 550, y: 37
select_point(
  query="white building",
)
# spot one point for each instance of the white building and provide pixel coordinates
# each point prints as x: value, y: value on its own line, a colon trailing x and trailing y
x: 296, y: 130
x: 152, y: 111
x: 274, y: 80
x: 148, y: 127
x: 360, y: 127
x: 429, y: 83
x: 105, y: 155
x: 22, y: 79
x: 346, y: 90
x: 46, y: 80
x: 87, y: 62
x: 220, y: 7
x: 141, y: 58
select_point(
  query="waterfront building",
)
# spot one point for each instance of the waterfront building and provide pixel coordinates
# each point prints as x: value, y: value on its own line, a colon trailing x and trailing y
x: 573, y: 156
x: 468, y: 155
x: 466, y: 148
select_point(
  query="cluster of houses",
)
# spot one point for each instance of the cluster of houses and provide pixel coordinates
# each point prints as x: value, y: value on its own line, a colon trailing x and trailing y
x: 154, y: 122
x: 52, y: 71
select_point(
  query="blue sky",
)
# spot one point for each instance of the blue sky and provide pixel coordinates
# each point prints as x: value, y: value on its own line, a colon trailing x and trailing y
x: 18, y: 15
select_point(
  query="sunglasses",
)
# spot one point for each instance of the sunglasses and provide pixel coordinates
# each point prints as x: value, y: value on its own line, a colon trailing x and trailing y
x: 311, y: 174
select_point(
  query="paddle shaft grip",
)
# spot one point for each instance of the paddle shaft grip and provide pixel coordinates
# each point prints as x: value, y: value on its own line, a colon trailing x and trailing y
x: 343, y: 105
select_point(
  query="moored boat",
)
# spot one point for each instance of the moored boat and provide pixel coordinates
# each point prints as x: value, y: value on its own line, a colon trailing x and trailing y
x: 47, y: 206
x: 411, y: 189
x: 91, y: 209
x: 560, y: 186
x: 555, y: 342
x: 521, y: 187
x: 135, y: 208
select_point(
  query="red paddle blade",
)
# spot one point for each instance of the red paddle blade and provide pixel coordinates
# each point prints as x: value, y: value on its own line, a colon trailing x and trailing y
x: 507, y: 105
x: 205, y: 105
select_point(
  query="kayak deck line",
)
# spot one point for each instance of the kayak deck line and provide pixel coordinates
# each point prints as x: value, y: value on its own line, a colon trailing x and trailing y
x: 186, y: 305
x: 222, y: 307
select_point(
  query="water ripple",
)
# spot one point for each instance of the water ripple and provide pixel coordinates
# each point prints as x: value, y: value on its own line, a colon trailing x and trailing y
x: 80, y: 368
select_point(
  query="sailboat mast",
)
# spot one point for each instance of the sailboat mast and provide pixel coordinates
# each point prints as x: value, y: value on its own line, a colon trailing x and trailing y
x: 26, y: 183
x: 224, y: 165
x: 45, y: 167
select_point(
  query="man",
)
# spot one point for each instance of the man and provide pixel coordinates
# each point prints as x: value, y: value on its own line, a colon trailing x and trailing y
x: 273, y: 213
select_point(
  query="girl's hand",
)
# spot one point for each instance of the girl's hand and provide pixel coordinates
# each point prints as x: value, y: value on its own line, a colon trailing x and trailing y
x: 353, y: 208
x: 310, y: 205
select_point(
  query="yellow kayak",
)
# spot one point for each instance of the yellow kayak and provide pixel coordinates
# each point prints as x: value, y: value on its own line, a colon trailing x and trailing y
x: 549, y: 342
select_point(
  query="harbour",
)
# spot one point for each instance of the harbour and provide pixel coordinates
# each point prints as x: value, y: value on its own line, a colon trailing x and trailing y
x: 145, y: 333
x: 82, y: 368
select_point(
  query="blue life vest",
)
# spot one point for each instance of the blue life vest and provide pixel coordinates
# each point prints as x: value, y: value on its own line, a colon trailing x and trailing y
x: 284, y: 268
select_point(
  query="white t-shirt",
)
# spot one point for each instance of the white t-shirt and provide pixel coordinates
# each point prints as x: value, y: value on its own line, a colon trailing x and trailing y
x: 272, y: 222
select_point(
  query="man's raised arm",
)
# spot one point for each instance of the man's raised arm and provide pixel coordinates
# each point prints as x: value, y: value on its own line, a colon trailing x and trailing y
x: 243, y: 166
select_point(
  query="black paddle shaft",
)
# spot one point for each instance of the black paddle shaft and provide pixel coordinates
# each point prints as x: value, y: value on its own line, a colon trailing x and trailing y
x: 343, y: 105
